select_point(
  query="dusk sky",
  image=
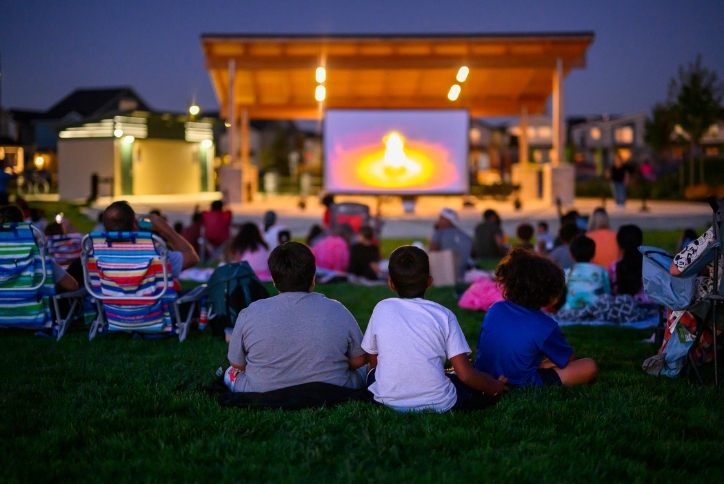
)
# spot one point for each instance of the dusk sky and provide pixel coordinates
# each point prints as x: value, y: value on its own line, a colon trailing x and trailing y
x: 51, y: 48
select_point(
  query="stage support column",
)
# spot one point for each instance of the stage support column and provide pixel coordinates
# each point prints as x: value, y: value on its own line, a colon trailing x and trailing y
x: 231, y: 112
x: 528, y: 176
x: 559, y: 177
x: 523, y: 140
x: 249, y: 172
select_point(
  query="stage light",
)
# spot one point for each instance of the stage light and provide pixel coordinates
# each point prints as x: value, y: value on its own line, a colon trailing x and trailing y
x: 118, y: 133
x: 321, y: 74
x: 128, y: 140
x: 462, y: 74
x: 454, y: 92
x: 39, y: 162
x: 194, y: 110
x: 227, y: 124
x: 320, y: 93
x: 206, y: 143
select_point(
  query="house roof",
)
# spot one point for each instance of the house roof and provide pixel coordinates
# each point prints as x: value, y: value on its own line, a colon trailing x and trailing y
x: 274, y: 75
x: 93, y: 102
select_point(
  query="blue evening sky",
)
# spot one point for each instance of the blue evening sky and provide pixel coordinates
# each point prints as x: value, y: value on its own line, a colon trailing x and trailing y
x: 50, y: 48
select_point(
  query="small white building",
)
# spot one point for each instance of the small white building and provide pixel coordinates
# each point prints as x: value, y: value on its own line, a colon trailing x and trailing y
x: 136, y: 153
x: 598, y: 139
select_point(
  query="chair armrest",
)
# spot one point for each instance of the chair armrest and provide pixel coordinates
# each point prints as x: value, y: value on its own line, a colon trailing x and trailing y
x: 195, y: 294
x: 82, y: 292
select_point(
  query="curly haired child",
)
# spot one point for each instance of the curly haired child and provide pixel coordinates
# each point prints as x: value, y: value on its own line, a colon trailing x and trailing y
x: 517, y: 339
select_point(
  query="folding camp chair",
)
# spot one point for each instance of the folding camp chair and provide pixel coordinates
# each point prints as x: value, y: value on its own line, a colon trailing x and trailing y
x: 64, y: 248
x: 26, y: 282
x: 677, y: 292
x: 129, y: 275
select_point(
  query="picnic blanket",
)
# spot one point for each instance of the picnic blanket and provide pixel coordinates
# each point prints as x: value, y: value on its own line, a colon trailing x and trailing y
x: 650, y: 322
x: 622, y: 308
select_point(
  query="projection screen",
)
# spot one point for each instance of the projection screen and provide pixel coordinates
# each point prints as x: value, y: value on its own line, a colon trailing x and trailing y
x: 396, y: 152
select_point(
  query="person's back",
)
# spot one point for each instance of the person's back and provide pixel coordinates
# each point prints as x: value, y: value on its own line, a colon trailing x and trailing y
x: 295, y: 337
x: 585, y: 281
x: 217, y: 224
x: 332, y: 252
x: 364, y: 255
x: 452, y: 238
x: 488, y: 237
x: 606, y: 247
x: 516, y: 335
x: 561, y: 255
x: 410, y: 338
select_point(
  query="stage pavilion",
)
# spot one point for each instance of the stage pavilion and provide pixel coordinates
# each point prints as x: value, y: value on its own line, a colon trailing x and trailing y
x: 300, y: 76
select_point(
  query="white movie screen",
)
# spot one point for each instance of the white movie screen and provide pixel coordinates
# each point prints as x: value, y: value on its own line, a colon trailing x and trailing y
x: 396, y: 152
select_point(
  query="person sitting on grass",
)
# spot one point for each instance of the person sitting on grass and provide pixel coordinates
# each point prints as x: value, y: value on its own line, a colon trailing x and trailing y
x: 298, y: 336
x: 364, y: 255
x: 408, y: 340
x: 585, y: 281
x: 561, y: 255
x: 517, y: 339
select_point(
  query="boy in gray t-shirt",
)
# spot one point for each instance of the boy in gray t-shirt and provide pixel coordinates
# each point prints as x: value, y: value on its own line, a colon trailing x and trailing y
x: 296, y: 337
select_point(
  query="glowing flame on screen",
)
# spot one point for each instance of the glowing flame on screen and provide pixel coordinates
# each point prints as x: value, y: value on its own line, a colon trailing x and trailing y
x: 397, y: 163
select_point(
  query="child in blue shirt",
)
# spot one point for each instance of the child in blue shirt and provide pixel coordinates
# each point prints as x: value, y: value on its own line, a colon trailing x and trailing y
x: 584, y: 281
x: 517, y: 339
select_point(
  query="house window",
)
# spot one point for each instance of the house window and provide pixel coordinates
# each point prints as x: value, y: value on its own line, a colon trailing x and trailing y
x: 595, y: 133
x: 624, y: 135
x: 544, y: 132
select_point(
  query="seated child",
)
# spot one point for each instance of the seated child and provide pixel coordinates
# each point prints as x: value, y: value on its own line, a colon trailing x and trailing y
x: 584, y: 281
x: 561, y: 255
x: 408, y: 340
x: 516, y: 335
x: 364, y: 255
x: 525, y: 236
x: 625, y: 272
x: 544, y: 240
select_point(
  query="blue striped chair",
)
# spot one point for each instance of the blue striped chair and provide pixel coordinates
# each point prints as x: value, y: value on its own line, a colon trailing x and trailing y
x: 129, y: 275
x: 26, y: 282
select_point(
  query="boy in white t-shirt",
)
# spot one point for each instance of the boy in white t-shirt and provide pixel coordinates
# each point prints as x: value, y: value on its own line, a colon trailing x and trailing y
x: 408, y: 340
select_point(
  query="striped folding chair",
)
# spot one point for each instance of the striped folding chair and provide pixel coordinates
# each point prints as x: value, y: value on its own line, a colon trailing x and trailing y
x: 129, y: 275
x: 26, y: 282
x: 64, y: 248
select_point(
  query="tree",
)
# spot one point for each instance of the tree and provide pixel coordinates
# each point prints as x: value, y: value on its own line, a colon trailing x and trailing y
x: 696, y: 103
x: 659, y: 128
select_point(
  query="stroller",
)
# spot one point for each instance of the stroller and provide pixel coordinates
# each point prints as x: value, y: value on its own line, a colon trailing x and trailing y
x: 26, y: 283
x: 129, y: 275
x: 696, y: 320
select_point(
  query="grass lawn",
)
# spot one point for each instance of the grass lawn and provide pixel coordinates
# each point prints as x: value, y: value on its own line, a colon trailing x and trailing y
x: 118, y: 409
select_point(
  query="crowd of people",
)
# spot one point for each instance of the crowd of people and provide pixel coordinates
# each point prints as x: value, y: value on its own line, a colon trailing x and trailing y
x: 400, y: 358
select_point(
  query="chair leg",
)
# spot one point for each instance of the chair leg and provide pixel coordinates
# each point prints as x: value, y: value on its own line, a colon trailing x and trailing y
x: 714, y: 338
x: 99, y: 323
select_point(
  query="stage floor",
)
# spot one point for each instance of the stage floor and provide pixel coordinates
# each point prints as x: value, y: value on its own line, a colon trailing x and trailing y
x: 661, y: 215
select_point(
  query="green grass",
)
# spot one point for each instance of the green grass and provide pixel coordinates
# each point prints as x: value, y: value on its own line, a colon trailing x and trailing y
x: 118, y: 409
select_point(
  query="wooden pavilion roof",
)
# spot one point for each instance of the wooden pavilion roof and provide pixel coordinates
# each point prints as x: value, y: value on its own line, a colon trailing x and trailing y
x: 275, y: 74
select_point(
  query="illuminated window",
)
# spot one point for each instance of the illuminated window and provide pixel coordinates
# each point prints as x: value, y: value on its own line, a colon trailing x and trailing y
x: 531, y: 132
x: 624, y: 135
x: 544, y: 132
x: 595, y: 133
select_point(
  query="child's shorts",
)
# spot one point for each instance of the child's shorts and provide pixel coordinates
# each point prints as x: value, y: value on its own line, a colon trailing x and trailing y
x: 550, y: 377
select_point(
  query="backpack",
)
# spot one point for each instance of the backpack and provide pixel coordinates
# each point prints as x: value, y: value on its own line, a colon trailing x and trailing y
x: 231, y: 288
x: 674, y: 292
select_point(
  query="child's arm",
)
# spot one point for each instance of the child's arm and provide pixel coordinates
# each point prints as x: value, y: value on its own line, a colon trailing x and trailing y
x: 357, y: 361
x: 238, y: 367
x: 373, y: 361
x: 477, y: 379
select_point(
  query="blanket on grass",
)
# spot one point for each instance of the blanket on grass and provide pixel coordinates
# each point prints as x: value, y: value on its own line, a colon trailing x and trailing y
x: 616, y: 309
x: 651, y: 322
x: 306, y: 395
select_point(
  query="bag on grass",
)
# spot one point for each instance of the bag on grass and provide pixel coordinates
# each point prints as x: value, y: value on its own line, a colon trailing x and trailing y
x: 674, y: 292
x: 231, y: 288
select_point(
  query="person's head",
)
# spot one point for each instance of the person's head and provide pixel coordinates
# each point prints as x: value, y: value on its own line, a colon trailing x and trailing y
x: 314, y: 232
x: 270, y: 218
x: 688, y: 236
x: 628, y: 269
x: 570, y: 216
x: 178, y: 227
x: 345, y: 231
x: 292, y: 266
x: 568, y: 232
x: 11, y: 214
x: 366, y: 233
x: 530, y: 280
x: 249, y: 239
x: 217, y: 205
x: 283, y: 237
x: 542, y: 228
x: 524, y: 232
x: 54, y: 228
x: 197, y: 218
x: 155, y: 211
x: 448, y: 218
x: 491, y: 216
x: 582, y: 249
x: 409, y: 271
x: 599, y: 219
x: 618, y: 160
x: 120, y: 217
x: 328, y: 200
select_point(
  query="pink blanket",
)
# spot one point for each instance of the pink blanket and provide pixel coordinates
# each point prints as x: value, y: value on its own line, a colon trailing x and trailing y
x: 482, y: 294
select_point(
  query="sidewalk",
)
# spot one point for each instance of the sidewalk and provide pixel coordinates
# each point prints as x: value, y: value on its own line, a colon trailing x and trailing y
x: 662, y: 215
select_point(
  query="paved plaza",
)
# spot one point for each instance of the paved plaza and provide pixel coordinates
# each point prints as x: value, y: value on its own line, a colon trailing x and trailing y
x: 661, y: 215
